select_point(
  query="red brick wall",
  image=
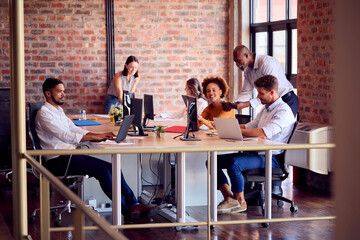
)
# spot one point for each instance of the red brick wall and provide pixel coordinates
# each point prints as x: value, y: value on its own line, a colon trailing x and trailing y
x: 173, y: 39
x: 315, y: 80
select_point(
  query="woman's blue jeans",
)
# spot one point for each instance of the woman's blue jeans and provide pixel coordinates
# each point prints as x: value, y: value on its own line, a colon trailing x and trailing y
x: 235, y: 163
x: 109, y: 101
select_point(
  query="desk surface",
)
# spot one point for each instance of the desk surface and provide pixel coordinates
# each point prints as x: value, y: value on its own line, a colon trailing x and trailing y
x: 152, y: 142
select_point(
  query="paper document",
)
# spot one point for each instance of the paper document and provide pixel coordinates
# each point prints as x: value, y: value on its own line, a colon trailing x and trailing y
x: 114, y: 143
x: 160, y: 119
x: 102, y: 115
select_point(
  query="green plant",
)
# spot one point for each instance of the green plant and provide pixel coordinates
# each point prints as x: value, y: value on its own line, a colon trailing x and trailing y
x: 160, y: 129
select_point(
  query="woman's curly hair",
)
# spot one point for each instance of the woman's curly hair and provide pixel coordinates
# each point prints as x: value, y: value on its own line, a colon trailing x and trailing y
x: 220, y: 81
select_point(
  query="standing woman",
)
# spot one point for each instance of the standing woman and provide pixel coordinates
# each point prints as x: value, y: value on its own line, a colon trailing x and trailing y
x: 126, y: 80
x: 215, y: 89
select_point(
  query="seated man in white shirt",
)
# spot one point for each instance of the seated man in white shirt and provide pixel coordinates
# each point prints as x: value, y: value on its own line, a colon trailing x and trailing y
x: 57, y: 131
x: 274, y: 122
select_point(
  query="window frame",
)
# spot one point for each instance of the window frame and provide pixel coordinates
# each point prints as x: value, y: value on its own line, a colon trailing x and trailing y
x: 269, y: 27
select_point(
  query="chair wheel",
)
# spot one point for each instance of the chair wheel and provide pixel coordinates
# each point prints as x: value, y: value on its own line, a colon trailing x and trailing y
x: 53, y: 213
x: 57, y: 223
x: 265, y: 225
x: 294, y: 209
x: 31, y: 219
x: 280, y: 203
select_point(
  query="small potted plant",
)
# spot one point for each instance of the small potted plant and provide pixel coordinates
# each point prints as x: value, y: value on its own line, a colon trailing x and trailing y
x: 116, y: 112
x: 160, y: 132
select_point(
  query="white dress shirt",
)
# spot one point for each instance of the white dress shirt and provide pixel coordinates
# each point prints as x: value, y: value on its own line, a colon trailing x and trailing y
x: 277, y: 121
x: 56, y: 130
x: 263, y: 65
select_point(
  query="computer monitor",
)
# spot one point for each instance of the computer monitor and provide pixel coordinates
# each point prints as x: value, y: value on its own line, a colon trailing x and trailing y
x: 192, y: 118
x: 127, y: 98
x: 148, y: 109
x: 136, y: 110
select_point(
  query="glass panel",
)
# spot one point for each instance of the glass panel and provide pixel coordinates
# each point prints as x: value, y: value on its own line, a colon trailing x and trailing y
x: 259, y: 11
x: 279, y: 47
x: 261, y: 43
x: 278, y: 10
x: 293, y: 9
x: 294, y: 52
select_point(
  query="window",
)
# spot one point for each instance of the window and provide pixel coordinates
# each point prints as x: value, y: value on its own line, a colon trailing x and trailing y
x: 273, y: 31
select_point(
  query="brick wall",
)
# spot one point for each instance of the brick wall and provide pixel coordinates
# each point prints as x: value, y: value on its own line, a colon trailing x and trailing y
x: 315, y: 80
x: 173, y: 39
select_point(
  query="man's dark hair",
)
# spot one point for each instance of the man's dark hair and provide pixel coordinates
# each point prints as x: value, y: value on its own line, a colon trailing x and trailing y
x: 268, y: 82
x: 50, y: 84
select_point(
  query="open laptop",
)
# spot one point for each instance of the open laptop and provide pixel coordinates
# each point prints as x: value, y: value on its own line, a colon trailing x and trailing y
x: 228, y: 128
x: 123, y: 131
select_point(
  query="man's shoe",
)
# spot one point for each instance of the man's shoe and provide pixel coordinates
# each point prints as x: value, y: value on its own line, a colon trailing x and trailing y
x: 243, y: 207
x: 143, y: 211
x: 228, y: 206
x: 277, y: 190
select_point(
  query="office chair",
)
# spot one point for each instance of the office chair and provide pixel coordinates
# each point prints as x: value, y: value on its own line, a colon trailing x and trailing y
x: 243, y: 118
x: 256, y: 178
x: 76, y: 181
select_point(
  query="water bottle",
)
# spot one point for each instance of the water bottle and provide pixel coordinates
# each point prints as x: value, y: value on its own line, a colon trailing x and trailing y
x: 83, y: 114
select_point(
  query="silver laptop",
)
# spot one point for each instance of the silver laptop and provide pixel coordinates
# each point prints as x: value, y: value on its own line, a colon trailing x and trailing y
x: 228, y: 128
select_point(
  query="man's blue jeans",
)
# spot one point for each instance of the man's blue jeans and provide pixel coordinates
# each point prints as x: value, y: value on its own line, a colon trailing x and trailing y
x: 94, y: 167
x: 235, y: 163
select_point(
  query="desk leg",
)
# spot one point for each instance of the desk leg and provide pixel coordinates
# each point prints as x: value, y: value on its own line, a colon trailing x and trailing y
x: 213, y: 186
x: 268, y: 179
x: 180, y: 159
x: 116, y: 188
x: 139, y: 183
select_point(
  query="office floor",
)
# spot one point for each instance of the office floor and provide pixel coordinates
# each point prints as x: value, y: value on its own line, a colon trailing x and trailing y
x: 311, y: 202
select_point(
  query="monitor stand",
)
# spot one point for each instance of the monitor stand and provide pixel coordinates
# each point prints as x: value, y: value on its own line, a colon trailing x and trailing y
x: 139, y: 131
x: 187, y: 138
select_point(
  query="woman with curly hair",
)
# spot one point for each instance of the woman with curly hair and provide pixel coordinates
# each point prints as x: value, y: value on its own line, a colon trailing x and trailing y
x: 215, y: 89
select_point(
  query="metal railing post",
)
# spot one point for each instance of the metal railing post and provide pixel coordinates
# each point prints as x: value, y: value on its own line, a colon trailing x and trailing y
x: 79, y: 222
x: 44, y: 208
x: 17, y: 102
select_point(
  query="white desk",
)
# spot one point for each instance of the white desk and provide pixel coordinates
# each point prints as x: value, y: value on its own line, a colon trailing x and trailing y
x: 152, y: 144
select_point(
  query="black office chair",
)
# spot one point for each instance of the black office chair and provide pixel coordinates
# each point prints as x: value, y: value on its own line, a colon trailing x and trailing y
x: 75, y: 181
x: 256, y: 178
x: 243, y: 118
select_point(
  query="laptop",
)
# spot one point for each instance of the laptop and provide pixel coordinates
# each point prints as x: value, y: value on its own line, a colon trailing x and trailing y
x: 123, y: 131
x: 228, y: 128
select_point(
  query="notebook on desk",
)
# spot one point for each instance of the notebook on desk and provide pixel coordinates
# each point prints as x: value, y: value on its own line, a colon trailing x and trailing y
x: 85, y: 122
x: 228, y: 128
x: 175, y: 129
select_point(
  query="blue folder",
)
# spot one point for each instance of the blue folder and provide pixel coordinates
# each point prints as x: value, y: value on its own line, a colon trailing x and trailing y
x: 85, y: 122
